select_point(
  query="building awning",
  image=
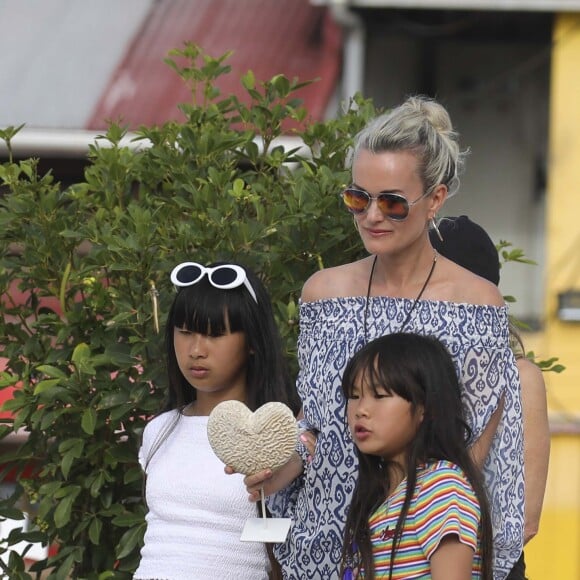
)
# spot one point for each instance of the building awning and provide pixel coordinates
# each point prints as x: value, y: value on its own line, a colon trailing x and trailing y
x: 512, y: 5
x: 268, y: 37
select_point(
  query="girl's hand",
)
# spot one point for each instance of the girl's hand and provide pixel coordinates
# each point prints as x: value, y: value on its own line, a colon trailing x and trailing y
x: 271, y: 480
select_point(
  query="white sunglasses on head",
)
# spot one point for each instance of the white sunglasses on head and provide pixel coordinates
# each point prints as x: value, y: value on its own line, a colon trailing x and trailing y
x: 224, y: 277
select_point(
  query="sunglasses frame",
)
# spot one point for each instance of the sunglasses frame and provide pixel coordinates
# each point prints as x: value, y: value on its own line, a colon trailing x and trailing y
x: 383, y: 194
x: 241, y: 277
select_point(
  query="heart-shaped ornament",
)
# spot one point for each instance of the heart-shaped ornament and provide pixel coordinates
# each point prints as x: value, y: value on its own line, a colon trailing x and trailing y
x: 250, y: 442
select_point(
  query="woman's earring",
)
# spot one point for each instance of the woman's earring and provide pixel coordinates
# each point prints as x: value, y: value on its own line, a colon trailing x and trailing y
x: 434, y: 226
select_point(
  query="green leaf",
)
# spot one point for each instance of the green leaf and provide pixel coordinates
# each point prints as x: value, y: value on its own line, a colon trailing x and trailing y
x: 133, y: 474
x: 51, y: 371
x: 282, y: 85
x: 63, y: 510
x: 10, y: 132
x: 249, y: 80
x: 14, y: 404
x: 110, y: 400
x: 89, y: 421
x: 63, y: 571
x: 49, y: 488
x: 15, y: 565
x: 68, y: 458
x: 97, y: 484
x: 45, y: 385
x: 11, y: 513
x: 80, y: 354
x: 75, y: 444
x: 66, y: 464
x: 95, y: 531
x: 121, y: 411
x: 7, y: 380
x: 130, y: 540
x: 5, y: 430
x: 121, y: 453
x: 128, y: 520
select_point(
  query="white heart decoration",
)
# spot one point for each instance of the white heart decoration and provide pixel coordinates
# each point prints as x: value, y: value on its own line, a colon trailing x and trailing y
x: 250, y: 442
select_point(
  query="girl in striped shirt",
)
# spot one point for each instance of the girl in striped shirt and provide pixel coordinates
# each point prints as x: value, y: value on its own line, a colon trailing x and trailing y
x: 419, y: 508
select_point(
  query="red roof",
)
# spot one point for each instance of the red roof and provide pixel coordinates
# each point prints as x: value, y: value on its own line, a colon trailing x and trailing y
x: 269, y: 37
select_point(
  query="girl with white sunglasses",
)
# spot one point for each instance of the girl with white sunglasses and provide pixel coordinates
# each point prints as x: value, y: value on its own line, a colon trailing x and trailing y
x: 222, y: 344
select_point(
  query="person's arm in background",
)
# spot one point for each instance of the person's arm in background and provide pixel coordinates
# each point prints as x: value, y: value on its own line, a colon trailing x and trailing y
x: 480, y: 448
x: 536, y: 442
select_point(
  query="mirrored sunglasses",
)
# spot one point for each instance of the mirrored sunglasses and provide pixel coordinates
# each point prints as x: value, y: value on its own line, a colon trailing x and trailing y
x: 393, y: 206
x: 224, y: 277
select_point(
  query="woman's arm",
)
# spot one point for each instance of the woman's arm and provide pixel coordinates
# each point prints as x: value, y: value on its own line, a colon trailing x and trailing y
x: 536, y: 443
x: 452, y: 560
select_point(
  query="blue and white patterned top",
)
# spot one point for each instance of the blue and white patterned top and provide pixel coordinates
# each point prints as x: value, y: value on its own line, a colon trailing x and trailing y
x: 331, y: 331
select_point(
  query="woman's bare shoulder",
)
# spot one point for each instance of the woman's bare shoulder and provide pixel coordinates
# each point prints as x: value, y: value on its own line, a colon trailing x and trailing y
x: 462, y: 285
x: 344, y: 280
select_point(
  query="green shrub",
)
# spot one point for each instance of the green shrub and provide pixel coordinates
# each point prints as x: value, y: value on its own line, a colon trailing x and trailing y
x: 90, y: 363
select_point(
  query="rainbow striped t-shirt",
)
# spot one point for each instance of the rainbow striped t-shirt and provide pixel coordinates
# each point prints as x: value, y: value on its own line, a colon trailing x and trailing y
x: 444, y: 503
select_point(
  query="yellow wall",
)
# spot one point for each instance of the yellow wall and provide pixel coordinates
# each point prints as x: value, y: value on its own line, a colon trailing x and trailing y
x: 555, y: 552
x: 563, y: 207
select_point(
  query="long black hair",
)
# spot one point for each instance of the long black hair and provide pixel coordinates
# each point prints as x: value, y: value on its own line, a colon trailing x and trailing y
x: 205, y: 309
x: 420, y: 370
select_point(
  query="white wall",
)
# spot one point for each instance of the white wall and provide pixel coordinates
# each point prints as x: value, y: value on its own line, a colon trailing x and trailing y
x: 497, y: 95
x: 505, y: 127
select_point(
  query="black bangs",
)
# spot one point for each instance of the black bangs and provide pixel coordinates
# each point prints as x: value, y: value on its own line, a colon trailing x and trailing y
x: 385, y: 370
x: 390, y: 375
x: 362, y: 367
x: 207, y: 310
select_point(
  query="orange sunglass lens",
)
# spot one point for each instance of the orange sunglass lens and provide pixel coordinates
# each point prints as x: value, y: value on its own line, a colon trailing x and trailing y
x: 355, y: 201
x: 393, y: 206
